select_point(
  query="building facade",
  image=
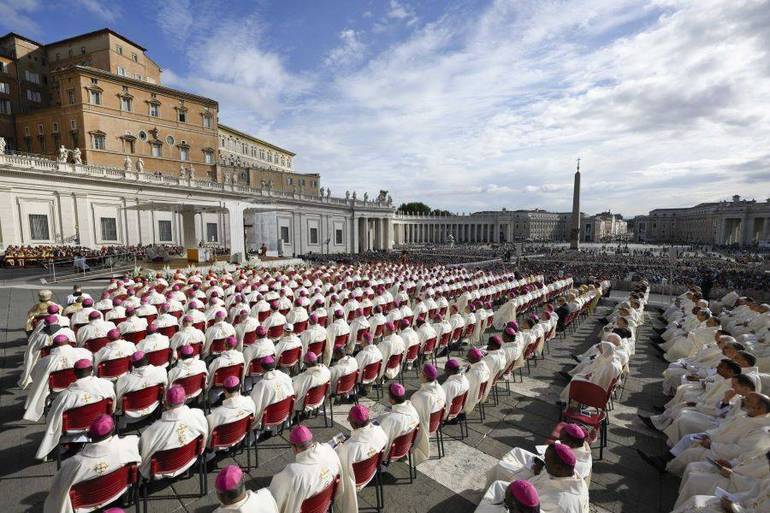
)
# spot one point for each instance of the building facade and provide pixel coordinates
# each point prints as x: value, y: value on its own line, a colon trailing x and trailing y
x: 738, y: 222
x: 604, y: 227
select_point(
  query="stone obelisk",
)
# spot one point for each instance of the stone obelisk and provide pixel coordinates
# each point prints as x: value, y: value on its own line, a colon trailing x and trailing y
x: 574, y: 241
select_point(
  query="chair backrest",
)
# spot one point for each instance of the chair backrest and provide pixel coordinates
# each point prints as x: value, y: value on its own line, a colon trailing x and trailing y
x: 227, y: 435
x: 261, y: 316
x: 193, y: 385
x: 412, y: 352
x: 59, y: 380
x: 159, y: 358
x: 316, y: 396
x: 322, y: 501
x: 394, y: 361
x: 347, y: 383
x: 80, y: 418
x: 371, y: 372
x: 135, y: 336
x: 434, y: 421
x: 429, y: 345
x: 300, y: 326
x: 444, y: 340
x: 217, y: 346
x: 171, y: 460
x: 94, y: 344
x: 402, y: 445
x: 278, y: 412
x: 275, y: 331
x: 469, y: 329
x: 457, y: 405
x: 588, y: 394
x: 341, y: 340
x: 255, y: 367
x: 317, y: 347
x: 379, y: 330
x: 366, y: 469
x: 200, y: 325
x: 114, y: 368
x: 456, y: 334
x: 103, y: 489
x: 482, y: 390
x: 168, y: 330
x: 143, y: 398
x: 290, y: 357
x: 249, y: 337
x: 223, y: 373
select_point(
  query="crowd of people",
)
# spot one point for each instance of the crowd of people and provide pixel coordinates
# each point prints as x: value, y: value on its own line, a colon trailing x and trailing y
x: 43, y: 255
x: 716, y: 418
x: 258, y: 338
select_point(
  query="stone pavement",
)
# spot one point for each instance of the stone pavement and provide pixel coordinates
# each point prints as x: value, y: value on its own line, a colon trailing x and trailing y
x: 621, y: 482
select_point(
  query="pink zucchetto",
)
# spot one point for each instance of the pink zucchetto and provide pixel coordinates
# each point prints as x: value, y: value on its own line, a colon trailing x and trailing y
x: 367, y: 336
x: 300, y: 435
x: 231, y: 341
x: 220, y: 314
x: 101, y: 426
x: 94, y: 315
x: 565, y: 454
x: 452, y: 364
x: 152, y: 328
x: 231, y: 382
x: 52, y: 309
x: 495, y: 340
x: 83, y: 363
x: 137, y: 357
x: 130, y: 310
x: 113, y: 334
x: 525, y: 493
x: 313, y: 318
x: 339, y: 314
x: 88, y: 302
x: 186, y: 350
x: 574, y: 431
x: 397, y: 390
x: 474, y: 355
x: 51, y: 319
x: 261, y: 331
x: 115, y: 510
x: 228, y: 479
x: 175, y: 395
x: 404, y: 323
x: 187, y: 319
x: 268, y: 360
x: 359, y: 413
x: 430, y: 371
x: 311, y: 357
x: 390, y: 326
x: 513, y: 324
x: 511, y: 332
x: 60, y: 340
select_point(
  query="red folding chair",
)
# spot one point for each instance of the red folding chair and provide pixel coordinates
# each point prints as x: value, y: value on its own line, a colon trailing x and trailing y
x: 159, y: 358
x: 434, y: 428
x: 402, y: 448
x: 94, y: 344
x: 322, y: 501
x: 346, y: 386
x: 193, y: 385
x: 100, y: 491
x: 379, y: 330
x: 482, y: 390
x: 317, y: 347
x: 168, y: 331
x: 113, y: 369
x: 171, y: 463
x: 429, y: 349
x: 275, y: 332
x: 443, y: 341
x: 263, y: 315
x: 232, y: 435
x: 60, y: 380
x: 135, y: 336
x: 299, y: 327
x: 587, y: 405
x: 275, y: 415
x: 290, y: 358
x: 200, y: 325
x: 412, y: 353
x: 367, y: 470
x: 315, y: 399
x: 76, y: 421
x: 142, y: 400
x: 323, y: 320
x: 456, y: 407
x: 341, y: 340
x: 249, y: 337
x: 222, y: 373
x: 394, y: 362
x: 217, y: 346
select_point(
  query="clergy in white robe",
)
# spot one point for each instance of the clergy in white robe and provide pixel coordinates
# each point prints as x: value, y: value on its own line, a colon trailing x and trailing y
x: 62, y: 356
x: 228, y: 358
x: 368, y: 355
x: 344, y: 364
x: 315, y: 374
x: 744, y: 434
x: 133, y: 323
x: 735, y: 476
x: 188, y: 364
x: 496, y: 356
x: 41, y: 339
x: 105, y: 453
x: 221, y: 329
x: 234, y: 497
x: 154, y: 341
x: 142, y: 375
x: 505, y: 314
x: 315, y: 467
x: 755, y: 500
x: 603, y: 370
x: 400, y: 418
x: 456, y: 383
x: 234, y: 407
x: 316, y: 333
x: 247, y: 325
x: 96, y: 328
x: 366, y: 440
x: 391, y: 344
x: 287, y: 342
x: 178, y: 425
x: 478, y: 376
x: 117, y: 347
x: 86, y: 389
x: 510, y: 497
x: 428, y: 399
x: 188, y: 334
x: 274, y: 386
x: 358, y: 325
x: 40, y: 309
x: 338, y: 328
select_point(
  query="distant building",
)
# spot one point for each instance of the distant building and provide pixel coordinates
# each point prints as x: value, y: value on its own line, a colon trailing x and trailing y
x: 604, y: 227
x: 737, y: 222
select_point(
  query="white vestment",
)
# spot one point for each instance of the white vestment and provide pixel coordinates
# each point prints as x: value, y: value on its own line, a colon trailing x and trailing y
x: 363, y: 443
x: 313, y: 470
x: 273, y: 387
x: 391, y: 345
x: 428, y: 399
x: 176, y: 427
x: 455, y: 385
x: 260, y: 501
x: 477, y: 374
x: 60, y: 358
x: 344, y: 366
x: 233, y: 408
x: 304, y: 381
x: 400, y: 419
x: 368, y: 355
x: 138, y: 379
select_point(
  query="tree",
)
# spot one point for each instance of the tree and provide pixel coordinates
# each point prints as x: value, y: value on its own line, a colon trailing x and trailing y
x: 415, y: 207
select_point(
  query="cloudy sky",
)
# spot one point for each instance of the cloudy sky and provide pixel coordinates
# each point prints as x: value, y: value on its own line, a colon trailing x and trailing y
x: 473, y: 104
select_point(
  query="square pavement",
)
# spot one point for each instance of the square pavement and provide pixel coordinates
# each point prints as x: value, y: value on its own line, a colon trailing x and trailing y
x: 621, y: 482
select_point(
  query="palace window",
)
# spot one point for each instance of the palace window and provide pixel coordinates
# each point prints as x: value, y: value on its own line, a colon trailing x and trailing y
x: 109, y: 227
x: 184, y: 154
x: 314, y: 236
x: 5, y: 88
x: 164, y: 231
x: 207, y: 120
x: 95, y: 97
x: 155, y: 149
x: 98, y: 141
x: 154, y: 110
x: 55, y: 127
x: 38, y: 227
x: 211, y: 232
x: 71, y: 96
x: 30, y: 76
x: 125, y: 104
x: 208, y: 157
x: 285, y: 234
x: 5, y: 106
x: 338, y: 236
x: 121, y: 71
x: 33, y: 96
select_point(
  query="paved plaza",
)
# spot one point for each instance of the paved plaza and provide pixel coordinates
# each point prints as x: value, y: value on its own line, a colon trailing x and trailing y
x: 621, y: 482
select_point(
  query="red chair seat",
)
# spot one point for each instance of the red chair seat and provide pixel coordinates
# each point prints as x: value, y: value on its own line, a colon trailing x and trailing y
x: 346, y: 384
x: 299, y: 327
x: 228, y: 435
x: 412, y: 352
x: 278, y: 412
x: 200, y: 325
x: 402, y: 445
x: 193, y: 385
x: 457, y: 405
x: 315, y: 397
x: 290, y: 357
x: 249, y: 337
x: 365, y: 470
x: 159, y: 358
x: 94, y: 344
x: 139, y: 400
x: 79, y: 419
x: 222, y: 373
x: 317, y: 347
x: 114, y: 368
x: 59, y: 380
x: 322, y: 501
x: 341, y: 340
x: 135, y: 336
x: 102, y: 490
x: 275, y: 332
x: 168, y: 330
x: 371, y: 372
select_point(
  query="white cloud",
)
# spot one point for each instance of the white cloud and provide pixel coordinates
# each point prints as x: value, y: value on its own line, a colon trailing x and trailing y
x: 17, y: 16
x: 106, y: 11
x: 665, y: 100
x: 349, y: 52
